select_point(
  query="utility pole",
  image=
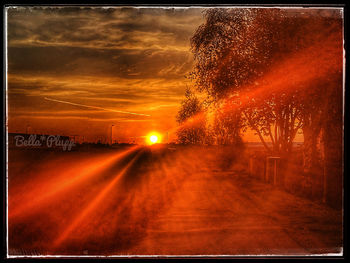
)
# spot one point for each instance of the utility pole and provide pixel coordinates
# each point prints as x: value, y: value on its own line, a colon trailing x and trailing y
x: 112, y: 134
x: 27, y: 129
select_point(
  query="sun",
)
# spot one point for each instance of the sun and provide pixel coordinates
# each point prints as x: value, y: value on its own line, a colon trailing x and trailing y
x: 153, y: 138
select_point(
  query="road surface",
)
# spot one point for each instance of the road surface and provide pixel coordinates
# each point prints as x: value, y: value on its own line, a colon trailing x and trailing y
x: 156, y: 201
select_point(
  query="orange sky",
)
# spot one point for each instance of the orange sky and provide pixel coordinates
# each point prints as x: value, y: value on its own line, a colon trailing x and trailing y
x: 114, y: 59
x: 121, y: 59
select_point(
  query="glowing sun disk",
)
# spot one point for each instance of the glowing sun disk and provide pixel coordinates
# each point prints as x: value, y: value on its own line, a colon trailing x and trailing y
x: 153, y: 138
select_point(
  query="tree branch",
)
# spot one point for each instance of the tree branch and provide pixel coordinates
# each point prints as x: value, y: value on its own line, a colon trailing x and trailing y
x: 257, y: 130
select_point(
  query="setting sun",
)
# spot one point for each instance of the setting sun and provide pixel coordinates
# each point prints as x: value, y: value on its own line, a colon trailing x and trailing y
x: 153, y: 138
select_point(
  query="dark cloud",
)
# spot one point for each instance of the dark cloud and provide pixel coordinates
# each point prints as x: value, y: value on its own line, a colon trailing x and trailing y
x: 51, y: 25
x: 122, y: 42
x: 59, y: 61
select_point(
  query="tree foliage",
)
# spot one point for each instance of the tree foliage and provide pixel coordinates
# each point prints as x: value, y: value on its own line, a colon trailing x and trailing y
x: 231, y: 49
x: 241, y: 51
x: 192, y: 120
x: 227, y: 124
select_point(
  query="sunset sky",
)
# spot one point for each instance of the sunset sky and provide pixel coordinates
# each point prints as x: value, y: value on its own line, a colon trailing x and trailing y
x: 80, y: 70
x: 119, y: 59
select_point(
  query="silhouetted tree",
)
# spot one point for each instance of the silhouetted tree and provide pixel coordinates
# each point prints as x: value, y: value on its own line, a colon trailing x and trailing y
x: 233, y: 49
x: 282, y: 64
x: 236, y: 48
x: 192, y: 120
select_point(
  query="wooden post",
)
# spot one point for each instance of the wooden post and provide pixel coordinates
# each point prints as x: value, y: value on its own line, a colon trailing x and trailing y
x: 274, y: 169
x: 267, y: 170
x: 275, y: 173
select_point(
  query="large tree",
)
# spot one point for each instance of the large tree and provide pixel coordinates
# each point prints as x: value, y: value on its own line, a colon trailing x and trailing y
x: 233, y: 49
x: 283, y: 64
x: 236, y: 48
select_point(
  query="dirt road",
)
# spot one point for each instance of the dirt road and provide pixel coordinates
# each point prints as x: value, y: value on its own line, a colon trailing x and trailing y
x: 153, y: 201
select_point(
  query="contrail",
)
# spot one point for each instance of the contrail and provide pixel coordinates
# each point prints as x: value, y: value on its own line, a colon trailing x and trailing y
x: 95, y: 107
